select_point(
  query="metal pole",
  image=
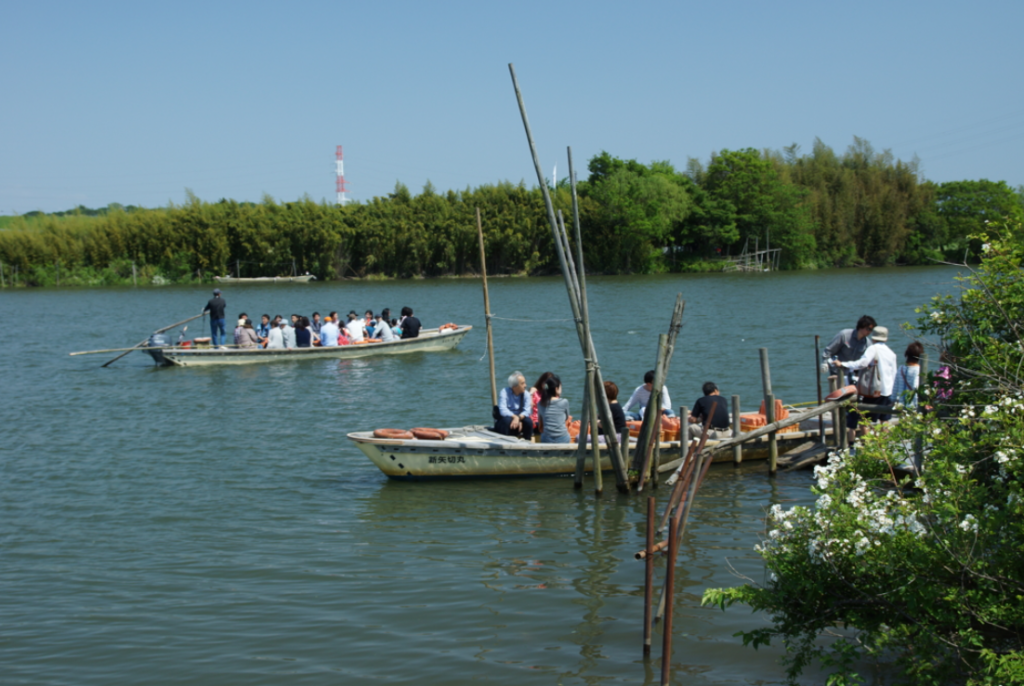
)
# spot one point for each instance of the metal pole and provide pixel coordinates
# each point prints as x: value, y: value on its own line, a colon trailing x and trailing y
x: 487, y: 307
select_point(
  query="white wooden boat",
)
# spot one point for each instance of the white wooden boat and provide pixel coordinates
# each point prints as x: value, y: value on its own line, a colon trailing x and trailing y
x: 265, y: 279
x: 429, y: 340
x: 478, y: 452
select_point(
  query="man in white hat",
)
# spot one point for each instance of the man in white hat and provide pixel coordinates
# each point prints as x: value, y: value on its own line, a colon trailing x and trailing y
x: 880, y: 356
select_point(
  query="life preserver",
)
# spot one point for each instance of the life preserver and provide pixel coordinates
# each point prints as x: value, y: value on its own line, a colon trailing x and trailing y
x: 449, y: 325
x: 844, y: 392
x: 426, y: 434
x: 392, y: 433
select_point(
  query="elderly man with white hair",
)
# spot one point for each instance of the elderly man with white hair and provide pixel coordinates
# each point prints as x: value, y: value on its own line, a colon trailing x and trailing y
x: 514, y: 405
x: 880, y: 356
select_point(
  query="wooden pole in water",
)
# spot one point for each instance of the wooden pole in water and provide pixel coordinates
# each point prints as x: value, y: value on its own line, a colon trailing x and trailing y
x: 135, y: 281
x: 670, y: 587
x: 487, y: 307
x: 650, y: 430
x: 737, y: 450
x: 594, y: 445
x: 581, y: 440
x: 817, y: 368
x: 586, y: 342
x: 143, y: 341
x: 769, y: 410
x: 649, y: 576
x: 773, y: 444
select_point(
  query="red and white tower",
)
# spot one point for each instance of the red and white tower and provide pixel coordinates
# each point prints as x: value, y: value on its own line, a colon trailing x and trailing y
x: 340, y: 171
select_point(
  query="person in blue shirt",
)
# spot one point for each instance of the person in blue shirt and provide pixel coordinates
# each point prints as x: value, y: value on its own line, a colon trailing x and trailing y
x: 263, y: 330
x: 514, y: 405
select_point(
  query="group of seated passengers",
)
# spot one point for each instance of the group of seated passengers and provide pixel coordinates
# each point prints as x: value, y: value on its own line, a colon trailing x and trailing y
x: 520, y: 413
x: 306, y: 332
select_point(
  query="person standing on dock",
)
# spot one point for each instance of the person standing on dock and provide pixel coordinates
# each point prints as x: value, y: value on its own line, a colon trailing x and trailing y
x: 642, y: 396
x: 216, y: 308
x: 712, y: 404
x: 881, y: 355
x: 847, y: 346
x: 513, y: 416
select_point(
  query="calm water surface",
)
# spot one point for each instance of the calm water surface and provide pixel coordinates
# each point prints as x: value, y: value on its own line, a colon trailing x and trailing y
x: 214, y: 526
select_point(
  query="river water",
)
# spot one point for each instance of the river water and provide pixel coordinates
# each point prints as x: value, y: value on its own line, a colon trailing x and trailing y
x: 215, y: 526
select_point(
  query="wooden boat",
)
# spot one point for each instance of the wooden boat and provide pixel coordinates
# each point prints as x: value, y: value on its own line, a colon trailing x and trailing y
x: 477, y: 452
x: 265, y: 279
x: 429, y: 340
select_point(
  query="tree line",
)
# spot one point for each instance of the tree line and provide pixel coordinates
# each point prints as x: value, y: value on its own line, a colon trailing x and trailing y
x: 822, y: 209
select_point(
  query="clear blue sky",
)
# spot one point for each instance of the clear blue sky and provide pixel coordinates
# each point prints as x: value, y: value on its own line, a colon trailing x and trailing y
x: 133, y: 102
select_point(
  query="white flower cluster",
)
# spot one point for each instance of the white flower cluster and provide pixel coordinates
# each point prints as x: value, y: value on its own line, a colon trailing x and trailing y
x: 969, y: 524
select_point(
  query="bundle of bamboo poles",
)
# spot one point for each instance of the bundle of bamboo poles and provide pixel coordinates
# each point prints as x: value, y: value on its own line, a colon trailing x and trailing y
x: 595, y: 402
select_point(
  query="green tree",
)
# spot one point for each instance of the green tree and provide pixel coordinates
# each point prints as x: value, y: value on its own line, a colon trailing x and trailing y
x: 924, y: 572
x: 966, y: 206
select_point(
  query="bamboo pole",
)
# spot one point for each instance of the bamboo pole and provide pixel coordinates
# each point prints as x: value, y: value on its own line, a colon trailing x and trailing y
x: 618, y: 454
x: 670, y: 582
x: 586, y: 342
x: 649, y: 576
x: 487, y: 307
x: 594, y: 445
x: 135, y: 281
x: 143, y: 341
x: 650, y: 429
x: 817, y: 369
x: 737, y: 450
x: 581, y: 440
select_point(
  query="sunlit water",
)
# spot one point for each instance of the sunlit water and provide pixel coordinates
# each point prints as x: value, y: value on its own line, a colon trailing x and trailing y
x: 215, y: 526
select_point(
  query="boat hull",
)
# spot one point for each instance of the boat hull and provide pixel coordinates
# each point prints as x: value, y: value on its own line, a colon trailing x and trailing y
x: 475, y: 453
x: 264, y: 279
x: 430, y: 340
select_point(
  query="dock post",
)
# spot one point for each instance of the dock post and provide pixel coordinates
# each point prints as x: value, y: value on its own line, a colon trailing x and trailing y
x: 773, y: 443
x: 817, y: 369
x: 769, y: 411
x: 737, y: 450
x: 649, y: 576
x: 670, y: 582
x: 833, y: 386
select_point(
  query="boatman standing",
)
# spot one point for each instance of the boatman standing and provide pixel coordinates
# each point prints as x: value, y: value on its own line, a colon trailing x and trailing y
x: 216, y: 309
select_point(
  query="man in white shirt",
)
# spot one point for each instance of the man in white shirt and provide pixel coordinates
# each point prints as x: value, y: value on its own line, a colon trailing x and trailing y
x: 275, y: 337
x: 356, y: 328
x: 642, y: 396
x: 879, y: 356
x: 289, y: 334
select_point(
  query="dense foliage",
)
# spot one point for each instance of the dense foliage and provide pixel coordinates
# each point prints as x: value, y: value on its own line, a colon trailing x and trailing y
x: 925, y: 573
x: 821, y: 209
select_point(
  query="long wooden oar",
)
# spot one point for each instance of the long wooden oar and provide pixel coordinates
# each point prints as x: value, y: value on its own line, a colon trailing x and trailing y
x: 144, y: 340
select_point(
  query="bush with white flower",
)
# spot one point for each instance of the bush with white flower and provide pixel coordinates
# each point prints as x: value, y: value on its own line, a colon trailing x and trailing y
x: 920, y: 571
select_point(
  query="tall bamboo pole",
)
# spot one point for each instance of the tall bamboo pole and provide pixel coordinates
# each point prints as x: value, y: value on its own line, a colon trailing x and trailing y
x: 581, y: 440
x: 650, y: 430
x: 670, y: 587
x: 769, y: 410
x: 487, y: 307
x: 619, y: 454
x: 622, y: 481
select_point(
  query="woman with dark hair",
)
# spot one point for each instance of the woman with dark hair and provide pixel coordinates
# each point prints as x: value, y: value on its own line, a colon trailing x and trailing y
x: 904, y: 390
x: 535, y: 395
x: 248, y: 338
x: 553, y: 411
x: 303, y: 335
